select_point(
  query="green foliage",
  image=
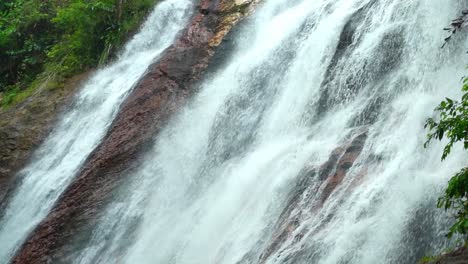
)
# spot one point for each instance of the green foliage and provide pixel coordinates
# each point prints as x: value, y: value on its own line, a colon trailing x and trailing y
x: 456, y: 198
x: 60, y: 37
x: 452, y: 123
x: 428, y: 259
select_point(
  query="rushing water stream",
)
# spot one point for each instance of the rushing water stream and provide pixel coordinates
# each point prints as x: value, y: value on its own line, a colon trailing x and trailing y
x: 82, y: 127
x: 304, y: 78
x: 227, y: 177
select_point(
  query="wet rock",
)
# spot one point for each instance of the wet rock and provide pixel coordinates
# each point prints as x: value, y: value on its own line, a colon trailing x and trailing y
x: 24, y: 126
x: 312, y: 191
x: 346, y: 161
x: 459, y: 256
x: 161, y: 92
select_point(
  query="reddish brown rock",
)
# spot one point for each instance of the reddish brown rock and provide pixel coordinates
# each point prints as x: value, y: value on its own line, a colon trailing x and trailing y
x: 345, y: 162
x: 25, y: 125
x: 165, y: 88
x: 313, y: 190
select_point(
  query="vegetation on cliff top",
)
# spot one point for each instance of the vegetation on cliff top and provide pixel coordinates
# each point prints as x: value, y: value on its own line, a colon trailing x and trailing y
x: 53, y: 40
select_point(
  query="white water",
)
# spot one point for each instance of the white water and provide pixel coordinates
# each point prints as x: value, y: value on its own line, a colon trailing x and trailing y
x: 222, y: 171
x: 82, y: 127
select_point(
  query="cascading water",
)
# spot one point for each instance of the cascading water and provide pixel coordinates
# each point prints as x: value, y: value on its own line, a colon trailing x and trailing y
x: 82, y: 127
x: 227, y: 181
x: 305, y: 148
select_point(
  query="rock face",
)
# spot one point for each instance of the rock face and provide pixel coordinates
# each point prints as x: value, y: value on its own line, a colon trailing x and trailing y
x: 165, y: 88
x: 24, y: 126
x: 314, y: 189
x: 459, y: 256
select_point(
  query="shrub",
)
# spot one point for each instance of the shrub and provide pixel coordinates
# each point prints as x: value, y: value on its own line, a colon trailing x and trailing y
x: 60, y: 37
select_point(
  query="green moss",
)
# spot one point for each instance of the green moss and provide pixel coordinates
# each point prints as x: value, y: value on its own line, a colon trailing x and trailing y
x: 428, y: 259
x: 16, y: 95
x: 9, y: 97
x: 54, y: 85
x: 243, y: 8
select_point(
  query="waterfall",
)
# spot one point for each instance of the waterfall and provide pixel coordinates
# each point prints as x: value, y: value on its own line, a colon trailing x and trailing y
x: 237, y: 175
x: 84, y: 124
